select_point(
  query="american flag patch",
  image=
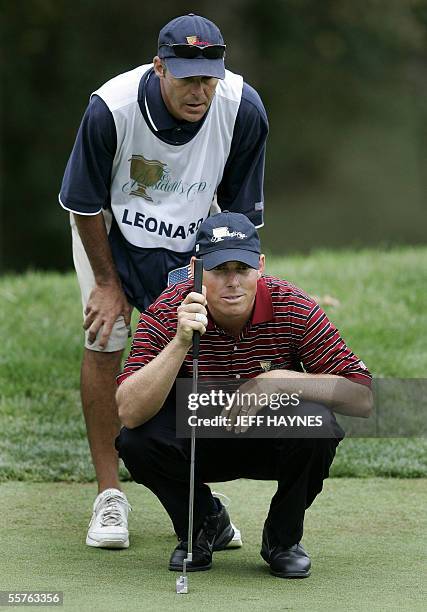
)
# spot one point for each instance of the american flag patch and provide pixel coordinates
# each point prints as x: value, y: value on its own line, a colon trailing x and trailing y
x: 179, y: 275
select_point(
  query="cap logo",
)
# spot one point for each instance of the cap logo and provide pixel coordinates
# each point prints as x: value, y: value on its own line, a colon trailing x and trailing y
x: 220, y: 233
x: 195, y: 40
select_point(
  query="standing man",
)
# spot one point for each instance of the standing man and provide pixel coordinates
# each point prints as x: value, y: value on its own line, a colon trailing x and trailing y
x: 157, y: 148
x: 252, y: 326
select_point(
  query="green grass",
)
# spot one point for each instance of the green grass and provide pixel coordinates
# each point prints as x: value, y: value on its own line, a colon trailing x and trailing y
x: 381, y: 314
x: 366, y: 538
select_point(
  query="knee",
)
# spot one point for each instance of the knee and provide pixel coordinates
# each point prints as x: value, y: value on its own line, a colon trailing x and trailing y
x: 137, y: 448
x: 134, y: 442
x: 102, y: 359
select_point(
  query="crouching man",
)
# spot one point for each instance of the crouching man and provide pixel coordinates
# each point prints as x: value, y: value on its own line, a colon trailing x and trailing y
x: 246, y: 320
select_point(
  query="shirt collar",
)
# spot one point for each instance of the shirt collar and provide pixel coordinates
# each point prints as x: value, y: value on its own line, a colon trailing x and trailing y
x: 161, y: 118
x: 262, y: 310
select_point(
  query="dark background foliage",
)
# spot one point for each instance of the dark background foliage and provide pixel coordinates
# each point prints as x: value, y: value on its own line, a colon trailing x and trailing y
x: 344, y: 84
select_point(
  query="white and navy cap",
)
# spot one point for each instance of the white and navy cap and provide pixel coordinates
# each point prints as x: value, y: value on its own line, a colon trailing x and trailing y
x: 192, y: 46
x: 228, y: 237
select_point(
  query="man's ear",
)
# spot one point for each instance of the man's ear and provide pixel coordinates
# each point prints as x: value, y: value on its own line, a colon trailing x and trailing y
x: 158, y: 67
x: 261, y: 267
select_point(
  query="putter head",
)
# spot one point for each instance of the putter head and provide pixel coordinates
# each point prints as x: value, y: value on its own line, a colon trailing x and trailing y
x: 182, y: 585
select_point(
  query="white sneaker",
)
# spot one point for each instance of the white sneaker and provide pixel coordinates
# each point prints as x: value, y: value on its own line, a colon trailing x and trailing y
x: 108, y: 527
x: 236, y: 541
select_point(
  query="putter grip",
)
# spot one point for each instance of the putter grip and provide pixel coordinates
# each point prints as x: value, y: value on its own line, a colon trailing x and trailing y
x: 198, y: 277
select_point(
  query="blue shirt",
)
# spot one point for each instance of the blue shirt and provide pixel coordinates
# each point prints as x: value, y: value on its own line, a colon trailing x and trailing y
x: 86, y: 184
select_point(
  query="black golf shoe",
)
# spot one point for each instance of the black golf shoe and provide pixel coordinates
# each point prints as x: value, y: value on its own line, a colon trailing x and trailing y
x: 215, y: 533
x: 291, y: 562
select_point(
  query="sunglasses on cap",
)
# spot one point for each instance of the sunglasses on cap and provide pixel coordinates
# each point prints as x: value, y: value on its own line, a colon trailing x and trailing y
x: 193, y: 51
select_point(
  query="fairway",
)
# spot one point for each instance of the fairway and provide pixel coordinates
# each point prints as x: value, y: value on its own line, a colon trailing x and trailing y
x: 366, y: 538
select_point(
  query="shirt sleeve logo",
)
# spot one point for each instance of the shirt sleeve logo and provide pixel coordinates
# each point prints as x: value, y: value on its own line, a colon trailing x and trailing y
x: 144, y: 173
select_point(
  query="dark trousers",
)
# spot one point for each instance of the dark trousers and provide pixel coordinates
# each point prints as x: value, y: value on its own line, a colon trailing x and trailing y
x: 160, y: 461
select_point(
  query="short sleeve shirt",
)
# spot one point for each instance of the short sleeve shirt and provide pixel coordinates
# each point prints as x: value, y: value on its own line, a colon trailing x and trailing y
x: 86, y: 184
x: 287, y: 330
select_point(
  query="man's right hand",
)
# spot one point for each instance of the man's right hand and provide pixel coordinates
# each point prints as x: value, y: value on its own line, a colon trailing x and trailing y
x: 106, y: 303
x: 194, y: 304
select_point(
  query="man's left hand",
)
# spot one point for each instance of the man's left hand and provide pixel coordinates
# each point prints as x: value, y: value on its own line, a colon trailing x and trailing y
x: 244, y: 408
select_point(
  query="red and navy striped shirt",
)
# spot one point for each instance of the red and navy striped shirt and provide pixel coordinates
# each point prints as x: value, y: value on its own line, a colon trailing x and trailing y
x: 287, y: 330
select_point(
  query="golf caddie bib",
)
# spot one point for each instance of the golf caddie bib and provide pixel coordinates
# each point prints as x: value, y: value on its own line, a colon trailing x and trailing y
x: 161, y: 193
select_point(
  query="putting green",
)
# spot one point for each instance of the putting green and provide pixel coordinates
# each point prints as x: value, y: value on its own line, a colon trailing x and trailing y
x: 365, y: 538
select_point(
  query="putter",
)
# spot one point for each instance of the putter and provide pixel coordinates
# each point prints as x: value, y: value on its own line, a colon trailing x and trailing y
x: 182, y: 581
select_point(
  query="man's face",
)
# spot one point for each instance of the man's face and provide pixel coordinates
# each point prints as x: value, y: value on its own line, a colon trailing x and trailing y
x: 187, y: 98
x: 231, y: 290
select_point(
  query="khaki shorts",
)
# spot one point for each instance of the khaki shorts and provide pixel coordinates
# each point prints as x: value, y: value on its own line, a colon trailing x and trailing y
x: 120, y: 331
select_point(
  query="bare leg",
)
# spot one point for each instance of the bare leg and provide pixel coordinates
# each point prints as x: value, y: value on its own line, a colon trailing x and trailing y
x: 98, y: 389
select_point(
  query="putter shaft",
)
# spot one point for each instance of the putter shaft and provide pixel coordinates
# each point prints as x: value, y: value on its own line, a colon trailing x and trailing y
x: 182, y: 582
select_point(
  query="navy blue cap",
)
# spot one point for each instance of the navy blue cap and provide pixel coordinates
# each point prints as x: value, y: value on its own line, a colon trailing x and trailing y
x: 228, y: 237
x: 190, y: 30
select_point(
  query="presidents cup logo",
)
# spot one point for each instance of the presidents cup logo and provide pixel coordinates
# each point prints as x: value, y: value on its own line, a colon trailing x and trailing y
x: 195, y: 40
x: 265, y: 365
x: 145, y: 173
x: 220, y: 233
x: 151, y: 177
